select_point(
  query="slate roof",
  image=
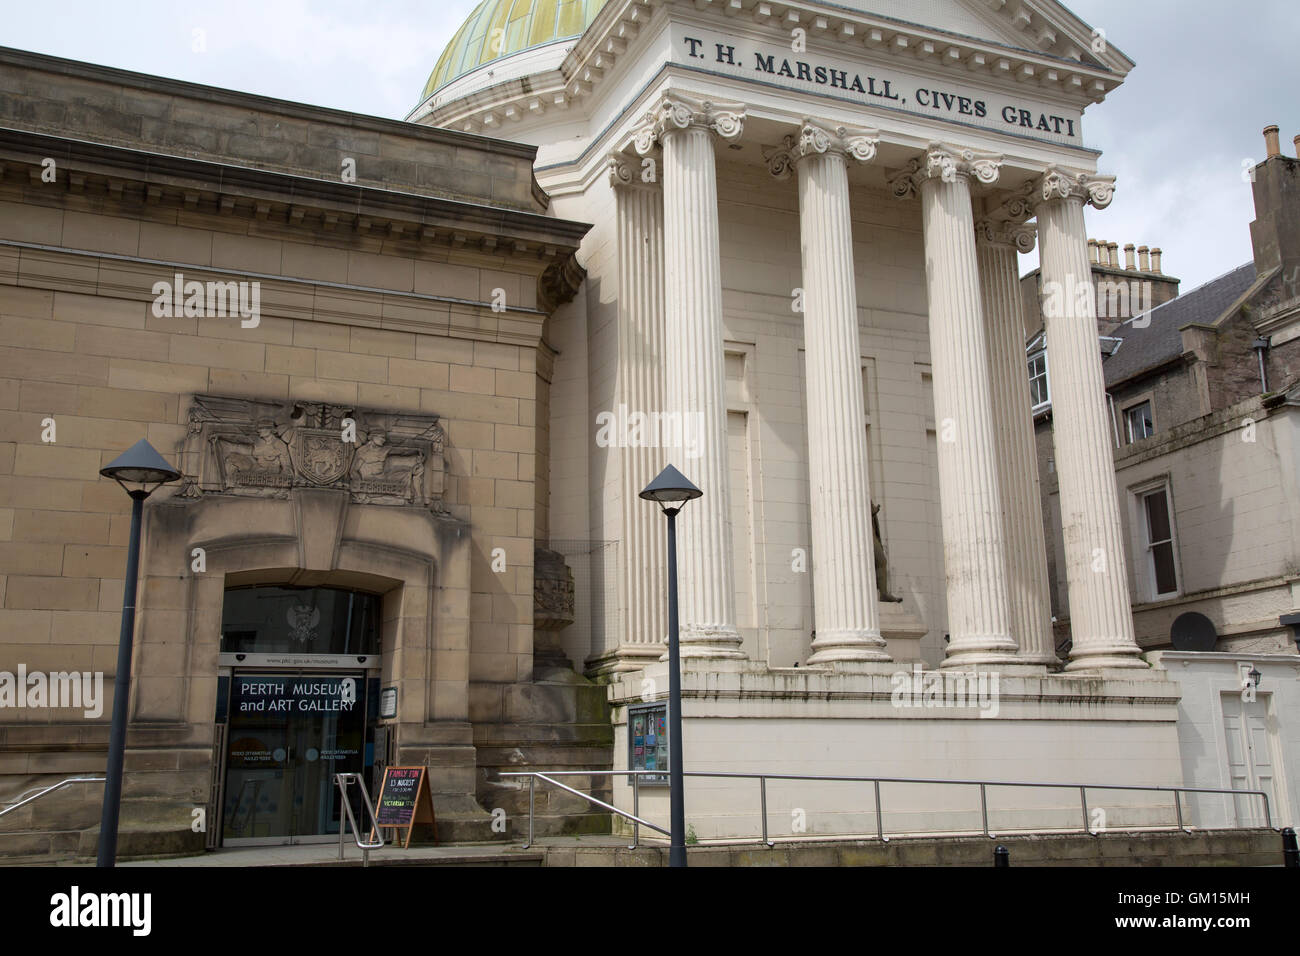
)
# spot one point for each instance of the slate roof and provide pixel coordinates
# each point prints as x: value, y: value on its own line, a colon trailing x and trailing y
x: 1160, y: 341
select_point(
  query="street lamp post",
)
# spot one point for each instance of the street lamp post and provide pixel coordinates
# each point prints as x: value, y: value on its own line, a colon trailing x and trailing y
x: 142, y: 466
x: 671, y: 487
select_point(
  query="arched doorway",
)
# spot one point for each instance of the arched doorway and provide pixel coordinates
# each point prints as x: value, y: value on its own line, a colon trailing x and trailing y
x: 297, y: 702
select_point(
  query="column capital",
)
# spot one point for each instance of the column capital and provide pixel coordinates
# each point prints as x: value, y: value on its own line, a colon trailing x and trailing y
x: 626, y: 171
x: 676, y: 111
x: 946, y: 162
x: 816, y: 139
x: 1012, y: 205
x: 1060, y: 183
x: 1022, y: 235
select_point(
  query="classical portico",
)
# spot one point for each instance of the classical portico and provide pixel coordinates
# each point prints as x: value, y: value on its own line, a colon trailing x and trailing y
x: 992, y: 532
x: 802, y: 291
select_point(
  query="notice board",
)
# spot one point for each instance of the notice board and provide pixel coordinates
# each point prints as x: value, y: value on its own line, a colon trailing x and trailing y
x: 404, y: 800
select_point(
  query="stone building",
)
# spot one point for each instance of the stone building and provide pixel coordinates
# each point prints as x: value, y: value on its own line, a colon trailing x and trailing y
x: 799, y: 284
x: 1201, y: 393
x: 334, y: 325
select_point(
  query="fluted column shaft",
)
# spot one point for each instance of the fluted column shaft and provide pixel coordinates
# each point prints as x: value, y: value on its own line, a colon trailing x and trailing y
x: 847, y: 618
x: 1101, y: 617
x: 694, y: 366
x: 969, y: 490
x: 1022, y: 511
x: 640, y: 388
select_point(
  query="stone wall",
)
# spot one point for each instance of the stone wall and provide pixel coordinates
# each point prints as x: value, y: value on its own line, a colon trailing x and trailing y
x: 385, y: 301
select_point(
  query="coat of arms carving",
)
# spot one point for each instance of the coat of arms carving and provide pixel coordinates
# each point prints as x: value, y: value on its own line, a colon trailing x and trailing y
x: 255, y: 448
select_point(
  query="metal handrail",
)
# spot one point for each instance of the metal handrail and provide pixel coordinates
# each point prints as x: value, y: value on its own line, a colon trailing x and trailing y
x: 762, y: 778
x: 533, y: 777
x: 23, y: 800
x: 341, y: 780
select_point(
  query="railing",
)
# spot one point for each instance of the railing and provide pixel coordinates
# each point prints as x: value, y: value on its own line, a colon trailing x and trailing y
x: 342, y: 780
x: 763, y: 778
x: 39, y: 792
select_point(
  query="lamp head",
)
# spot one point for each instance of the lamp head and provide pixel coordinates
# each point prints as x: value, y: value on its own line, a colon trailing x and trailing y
x: 670, y: 487
x: 142, y: 465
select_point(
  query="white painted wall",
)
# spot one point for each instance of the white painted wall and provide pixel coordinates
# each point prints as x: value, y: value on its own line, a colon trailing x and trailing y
x: 1208, y: 681
x: 814, y: 722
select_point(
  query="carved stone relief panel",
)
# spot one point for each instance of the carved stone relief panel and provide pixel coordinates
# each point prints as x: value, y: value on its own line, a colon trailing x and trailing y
x: 239, y: 446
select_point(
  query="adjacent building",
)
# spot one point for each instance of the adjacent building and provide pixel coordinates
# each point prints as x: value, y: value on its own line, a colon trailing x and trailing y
x: 1200, y: 393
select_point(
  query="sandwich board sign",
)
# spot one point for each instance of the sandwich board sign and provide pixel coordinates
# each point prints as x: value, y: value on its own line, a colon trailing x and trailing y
x: 404, y: 800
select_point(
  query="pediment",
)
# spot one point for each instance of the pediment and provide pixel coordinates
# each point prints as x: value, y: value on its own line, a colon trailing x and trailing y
x: 970, y: 18
x: 1042, y: 26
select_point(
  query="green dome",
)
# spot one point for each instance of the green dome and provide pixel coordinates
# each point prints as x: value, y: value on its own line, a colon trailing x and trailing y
x: 523, y: 24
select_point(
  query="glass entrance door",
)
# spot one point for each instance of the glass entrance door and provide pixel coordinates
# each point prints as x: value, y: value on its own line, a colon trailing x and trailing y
x: 288, y: 735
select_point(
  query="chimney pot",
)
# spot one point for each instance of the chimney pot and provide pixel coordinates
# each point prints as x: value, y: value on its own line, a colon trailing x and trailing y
x: 1271, y: 142
x: 1130, y: 263
x: 1155, y: 260
x: 1144, y: 259
x: 1113, y: 253
x: 1092, y: 251
x: 1103, y: 252
x: 1297, y: 146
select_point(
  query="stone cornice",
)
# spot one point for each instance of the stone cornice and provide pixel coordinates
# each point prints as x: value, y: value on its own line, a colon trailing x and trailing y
x: 1059, y: 183
x: 945, y: 162
x: 678, y: 111
x: 817, y: 139
x: 293, y: 201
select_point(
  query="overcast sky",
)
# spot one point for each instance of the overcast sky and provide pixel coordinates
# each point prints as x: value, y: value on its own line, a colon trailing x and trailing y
x: 1209, y: 78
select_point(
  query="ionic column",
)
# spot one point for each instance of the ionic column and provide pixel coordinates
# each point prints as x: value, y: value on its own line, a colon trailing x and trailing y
x: 844, y: 577
x: 639, y: 387
x: 1101, y: 618
x: 997, y: 245
x: 694, y: 367
x: 969, y: 491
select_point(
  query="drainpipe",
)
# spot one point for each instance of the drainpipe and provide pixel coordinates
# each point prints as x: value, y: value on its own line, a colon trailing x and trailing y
x: 1114, y: 422
x: 1261, y: 348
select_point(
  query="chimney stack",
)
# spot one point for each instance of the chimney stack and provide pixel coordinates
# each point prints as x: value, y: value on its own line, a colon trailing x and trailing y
x: 1092, y: 251
x: 1271, y: 145
x: 1113, y: 253
x: 1130, y: 263
x: 1144, y: 259
x: 1155, y: 260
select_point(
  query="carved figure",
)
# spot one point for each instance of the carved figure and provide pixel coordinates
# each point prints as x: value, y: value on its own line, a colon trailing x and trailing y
x: 882, y: 561
x: 378, y: 461
x: 268, y: 453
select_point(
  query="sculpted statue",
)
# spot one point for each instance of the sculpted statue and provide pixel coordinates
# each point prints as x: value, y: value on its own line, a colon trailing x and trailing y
x: 378, y: 461
x: 268, y: 453
x: 882, y: 562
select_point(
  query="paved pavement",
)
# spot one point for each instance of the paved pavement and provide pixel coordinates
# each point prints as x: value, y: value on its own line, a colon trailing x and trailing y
x: 318, y: 854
